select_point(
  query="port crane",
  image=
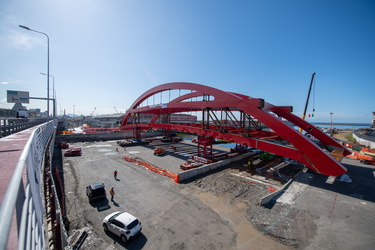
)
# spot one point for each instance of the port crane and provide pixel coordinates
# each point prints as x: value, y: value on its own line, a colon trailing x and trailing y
x: 92, y: 113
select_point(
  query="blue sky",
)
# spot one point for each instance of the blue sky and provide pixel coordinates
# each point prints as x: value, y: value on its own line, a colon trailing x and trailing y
x: 105, y: 54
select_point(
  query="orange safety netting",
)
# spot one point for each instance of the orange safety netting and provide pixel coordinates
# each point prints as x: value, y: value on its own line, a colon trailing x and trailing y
x: 148, y: 166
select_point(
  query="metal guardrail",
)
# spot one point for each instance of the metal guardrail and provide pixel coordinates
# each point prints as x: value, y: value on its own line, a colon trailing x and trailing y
x: 30, y: 217
x: 10, y: 126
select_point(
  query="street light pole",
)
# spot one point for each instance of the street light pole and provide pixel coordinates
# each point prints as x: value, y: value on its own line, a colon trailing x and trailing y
x: 331, y: 122
x: 53, y: 94
x: 27, y: 28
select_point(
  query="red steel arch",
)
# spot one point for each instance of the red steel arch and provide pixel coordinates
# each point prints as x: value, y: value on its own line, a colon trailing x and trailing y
x: 321, y: 155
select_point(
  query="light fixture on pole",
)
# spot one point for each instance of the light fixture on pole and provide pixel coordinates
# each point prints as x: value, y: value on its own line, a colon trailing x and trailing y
x: 27, y: 28
x: 53, y: 94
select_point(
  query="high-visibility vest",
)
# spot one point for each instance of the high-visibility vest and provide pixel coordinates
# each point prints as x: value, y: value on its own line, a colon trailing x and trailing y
x: 111, y: 192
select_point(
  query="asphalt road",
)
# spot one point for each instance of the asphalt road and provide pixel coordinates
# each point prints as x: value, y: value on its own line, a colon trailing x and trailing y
x: 215, y: 212
x: 171, y: 216
x: 345, y: 209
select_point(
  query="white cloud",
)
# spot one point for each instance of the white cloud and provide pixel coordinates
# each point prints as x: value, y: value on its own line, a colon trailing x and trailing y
x: 13, y: 82
x: 22, y: 40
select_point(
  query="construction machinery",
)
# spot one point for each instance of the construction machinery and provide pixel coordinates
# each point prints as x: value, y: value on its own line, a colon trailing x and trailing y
x: 159, y: 151
x: 265, y: 156
x: 92, y: 113
x: 365, y: 159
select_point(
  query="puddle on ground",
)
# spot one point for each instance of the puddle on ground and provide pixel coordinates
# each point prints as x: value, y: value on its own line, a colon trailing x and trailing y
x: 96, y: 146
x: 104, y: 150
x: 113, y: 153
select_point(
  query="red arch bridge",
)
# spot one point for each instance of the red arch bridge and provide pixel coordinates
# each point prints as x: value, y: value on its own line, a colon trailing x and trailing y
x: 237, y: 118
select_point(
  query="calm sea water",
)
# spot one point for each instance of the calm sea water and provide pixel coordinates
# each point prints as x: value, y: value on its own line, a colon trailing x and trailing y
x: 344, y: 125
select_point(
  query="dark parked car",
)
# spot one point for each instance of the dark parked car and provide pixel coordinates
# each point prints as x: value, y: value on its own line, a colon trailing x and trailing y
x: 73, y: 151
x: 96, y: 191
x: 63, y: 145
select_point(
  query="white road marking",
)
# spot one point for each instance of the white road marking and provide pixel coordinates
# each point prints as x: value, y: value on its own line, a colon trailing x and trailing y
x: 331, y: 179
x: 134, y: 152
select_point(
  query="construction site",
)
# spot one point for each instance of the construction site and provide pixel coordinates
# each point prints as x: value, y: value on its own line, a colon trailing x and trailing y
x: 296, y: 216
x: 268, y: 185
x: 274, y: 187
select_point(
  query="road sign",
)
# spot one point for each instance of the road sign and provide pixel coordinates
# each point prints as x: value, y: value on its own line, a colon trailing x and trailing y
x: 15, y: 96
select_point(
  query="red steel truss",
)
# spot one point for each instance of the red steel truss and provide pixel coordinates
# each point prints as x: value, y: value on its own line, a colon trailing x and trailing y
x: 244, y: 120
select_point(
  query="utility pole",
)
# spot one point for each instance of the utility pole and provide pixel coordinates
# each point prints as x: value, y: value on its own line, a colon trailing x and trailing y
x: 331, y: 122
x: 307, y: 100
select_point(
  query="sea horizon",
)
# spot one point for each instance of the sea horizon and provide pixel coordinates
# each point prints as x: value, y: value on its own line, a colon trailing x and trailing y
x: 341, y: 125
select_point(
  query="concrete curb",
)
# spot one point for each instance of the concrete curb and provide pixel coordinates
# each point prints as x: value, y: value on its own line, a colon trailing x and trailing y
x: 266, y: 199
x: 200, y: 170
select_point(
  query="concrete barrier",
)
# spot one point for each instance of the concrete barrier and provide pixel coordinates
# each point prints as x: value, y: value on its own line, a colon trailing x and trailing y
x: 209, y: 167
x: 102, y: 136
x: 266, y: 199
x: 365, y: 141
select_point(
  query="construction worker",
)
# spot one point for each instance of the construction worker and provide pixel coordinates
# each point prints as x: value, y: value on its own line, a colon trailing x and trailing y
x: 112, y: 193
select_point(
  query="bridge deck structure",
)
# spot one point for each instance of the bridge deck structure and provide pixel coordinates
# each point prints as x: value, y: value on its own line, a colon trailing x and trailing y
x: 238, y: 118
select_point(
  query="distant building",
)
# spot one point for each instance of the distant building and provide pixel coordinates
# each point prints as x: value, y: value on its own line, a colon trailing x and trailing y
x: 8, y: 113
x: 114, y: 120
x: 104, y: 121
x: 373, y: 121
x: 183, y: 118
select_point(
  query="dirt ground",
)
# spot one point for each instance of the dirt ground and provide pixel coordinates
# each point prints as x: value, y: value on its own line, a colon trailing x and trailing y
x: 342, y: 134
x: 283, y: 223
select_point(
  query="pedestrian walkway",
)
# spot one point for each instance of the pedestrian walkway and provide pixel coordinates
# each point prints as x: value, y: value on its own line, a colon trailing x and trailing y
x: 11, y: 148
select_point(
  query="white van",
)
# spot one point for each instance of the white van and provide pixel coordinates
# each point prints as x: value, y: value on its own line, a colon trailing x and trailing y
x: 22, y: 113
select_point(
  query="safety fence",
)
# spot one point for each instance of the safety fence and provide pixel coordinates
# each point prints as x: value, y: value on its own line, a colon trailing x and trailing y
x: 148, y: 166
x: 25, y: 199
